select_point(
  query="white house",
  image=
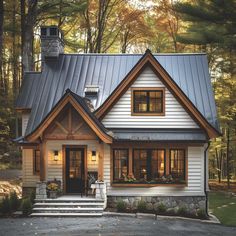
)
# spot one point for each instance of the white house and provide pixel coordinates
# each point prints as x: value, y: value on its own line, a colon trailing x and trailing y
x: 139, y: 123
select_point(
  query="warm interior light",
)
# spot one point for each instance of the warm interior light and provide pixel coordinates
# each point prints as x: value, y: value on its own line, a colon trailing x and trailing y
x: 94, y: 155
x: 55, y: 155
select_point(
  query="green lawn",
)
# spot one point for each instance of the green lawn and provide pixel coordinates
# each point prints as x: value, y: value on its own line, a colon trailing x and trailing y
x: 223, y: 206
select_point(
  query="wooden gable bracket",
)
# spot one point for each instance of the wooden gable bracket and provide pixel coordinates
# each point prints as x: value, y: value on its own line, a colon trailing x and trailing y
x: 149, y: 60
x: 68, y: 98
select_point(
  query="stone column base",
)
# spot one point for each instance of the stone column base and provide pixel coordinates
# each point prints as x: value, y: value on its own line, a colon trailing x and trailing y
x: 41, y: 192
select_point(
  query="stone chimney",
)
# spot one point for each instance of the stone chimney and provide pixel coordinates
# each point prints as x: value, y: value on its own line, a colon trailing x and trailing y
x: 51, y: 43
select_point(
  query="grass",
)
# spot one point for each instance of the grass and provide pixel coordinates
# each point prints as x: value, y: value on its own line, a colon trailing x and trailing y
x: 219, y: 204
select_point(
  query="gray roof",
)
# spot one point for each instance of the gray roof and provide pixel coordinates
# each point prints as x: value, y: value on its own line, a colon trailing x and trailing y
x: 41, y: 91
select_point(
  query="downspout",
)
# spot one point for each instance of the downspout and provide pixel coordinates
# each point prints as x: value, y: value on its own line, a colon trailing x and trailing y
x: 205, y: 174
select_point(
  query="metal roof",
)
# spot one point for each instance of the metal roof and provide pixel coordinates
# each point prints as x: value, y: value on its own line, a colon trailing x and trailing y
x: 41, y: 91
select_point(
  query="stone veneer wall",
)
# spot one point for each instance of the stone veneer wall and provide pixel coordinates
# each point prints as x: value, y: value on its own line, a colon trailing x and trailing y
x: 173, y: 203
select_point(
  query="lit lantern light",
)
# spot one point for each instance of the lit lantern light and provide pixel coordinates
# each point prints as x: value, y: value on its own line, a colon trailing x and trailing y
x: 94, y: 155
x: 56, y: 157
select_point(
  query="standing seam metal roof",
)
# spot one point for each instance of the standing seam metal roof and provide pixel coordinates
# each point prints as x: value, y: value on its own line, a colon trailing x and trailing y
x: 41, y: 91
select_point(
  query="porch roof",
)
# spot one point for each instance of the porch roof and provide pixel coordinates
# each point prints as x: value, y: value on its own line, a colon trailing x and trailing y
x: 192, y: 135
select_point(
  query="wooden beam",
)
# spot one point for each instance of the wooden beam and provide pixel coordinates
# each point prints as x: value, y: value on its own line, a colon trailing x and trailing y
x: 42, y: 161
x: 62, y: 127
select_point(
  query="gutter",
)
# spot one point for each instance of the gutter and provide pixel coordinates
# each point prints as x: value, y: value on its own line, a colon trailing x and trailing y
x: 205, y: 170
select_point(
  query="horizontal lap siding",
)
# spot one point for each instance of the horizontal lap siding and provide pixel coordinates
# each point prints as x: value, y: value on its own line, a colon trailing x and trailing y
x: 195, y: 185
x: 29, y: 179
x: 175, y: 115
x: 25, y: 119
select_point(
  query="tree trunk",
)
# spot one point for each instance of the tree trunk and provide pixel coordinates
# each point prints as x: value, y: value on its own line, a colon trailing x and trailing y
x: 1, y: 47
x: 28, y: 37
x: 227, y: 158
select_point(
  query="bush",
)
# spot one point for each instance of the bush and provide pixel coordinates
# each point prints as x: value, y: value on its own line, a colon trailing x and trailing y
x: 14, y: 201
x: 182, y: 211
x: 32, y: 196
x: 142, y: 206
x: 5, y: 207
x: 26, y: 206
x: 201, y: 213
x: 161, y: 208
x: 121, y: 206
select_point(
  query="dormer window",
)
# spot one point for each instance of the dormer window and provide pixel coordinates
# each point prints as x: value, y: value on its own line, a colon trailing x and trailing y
x: 148, y: 101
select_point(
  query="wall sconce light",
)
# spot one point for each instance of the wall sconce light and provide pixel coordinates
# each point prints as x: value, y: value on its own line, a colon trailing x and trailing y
x: 94, y: 155
x: 56, y: 155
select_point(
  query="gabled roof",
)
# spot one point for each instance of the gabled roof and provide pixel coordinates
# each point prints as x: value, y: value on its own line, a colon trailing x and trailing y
x: 75, y: 71
x: 149, y: 60
x: 80, y: 105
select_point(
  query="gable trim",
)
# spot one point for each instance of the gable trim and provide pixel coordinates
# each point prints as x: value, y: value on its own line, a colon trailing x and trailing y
x: 149, y: 60
x: 68, y: 98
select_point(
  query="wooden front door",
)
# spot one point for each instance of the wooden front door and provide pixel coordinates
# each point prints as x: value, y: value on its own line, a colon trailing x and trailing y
x: 75, y: 177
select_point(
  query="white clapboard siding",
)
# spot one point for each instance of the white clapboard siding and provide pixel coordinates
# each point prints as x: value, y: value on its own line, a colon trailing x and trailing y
x: 175, y: 115
x: 25, y: 119
x: 195, y: 185
x: 29, y: 179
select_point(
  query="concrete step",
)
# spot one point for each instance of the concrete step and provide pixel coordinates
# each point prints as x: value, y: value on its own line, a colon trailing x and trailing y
x: 66, y: 214
x: 69, y: 204
x: 65, y: 209
x: 58, y: 200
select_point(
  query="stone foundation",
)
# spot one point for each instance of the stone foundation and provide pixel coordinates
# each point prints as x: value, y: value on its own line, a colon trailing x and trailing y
x: 173, y: 204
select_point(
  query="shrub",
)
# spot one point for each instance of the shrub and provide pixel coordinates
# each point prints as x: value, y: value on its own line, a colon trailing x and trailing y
x: 142, y: 206
x: 201, y: 213
x: 26, y: 206
x: 14, y: 201
x: 182, y: 211
x: 32, y: 196
x: 161, y: 208
x: 5, y: 207
x: 121, y: 206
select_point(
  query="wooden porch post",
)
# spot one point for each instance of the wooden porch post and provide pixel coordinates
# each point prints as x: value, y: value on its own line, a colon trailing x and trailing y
x: 42, y: 161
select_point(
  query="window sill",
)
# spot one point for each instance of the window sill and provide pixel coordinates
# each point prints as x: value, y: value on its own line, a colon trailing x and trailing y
x: 128, y: 184
x: 147, y: 114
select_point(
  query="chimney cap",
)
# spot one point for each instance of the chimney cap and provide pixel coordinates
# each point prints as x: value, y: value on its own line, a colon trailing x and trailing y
x: 51, y: 31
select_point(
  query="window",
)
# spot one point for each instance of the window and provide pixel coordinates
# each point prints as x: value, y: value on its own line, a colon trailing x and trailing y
x: 36, y: 162
x: 120, y: 164
x: 148, y: 101
x: 148, y: 164
x: 177, y: 164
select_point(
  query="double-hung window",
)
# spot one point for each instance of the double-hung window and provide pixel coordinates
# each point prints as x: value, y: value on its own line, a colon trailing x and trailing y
x: 148, y: 101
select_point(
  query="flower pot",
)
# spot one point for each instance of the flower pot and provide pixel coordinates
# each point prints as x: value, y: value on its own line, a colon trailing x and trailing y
x: 52, y: 194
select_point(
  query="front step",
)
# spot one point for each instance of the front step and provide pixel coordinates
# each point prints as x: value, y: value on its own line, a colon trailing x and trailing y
x: 67, y: 214
x: 68, y: 207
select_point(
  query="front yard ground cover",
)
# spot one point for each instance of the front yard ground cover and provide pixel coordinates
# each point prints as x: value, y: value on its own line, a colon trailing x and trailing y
x: 223, y: 206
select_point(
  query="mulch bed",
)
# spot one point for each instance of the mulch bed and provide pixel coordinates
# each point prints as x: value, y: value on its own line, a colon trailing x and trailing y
x: 215, y: 186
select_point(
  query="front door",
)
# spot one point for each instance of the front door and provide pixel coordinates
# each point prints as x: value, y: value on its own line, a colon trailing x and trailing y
x: 75, y: 170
